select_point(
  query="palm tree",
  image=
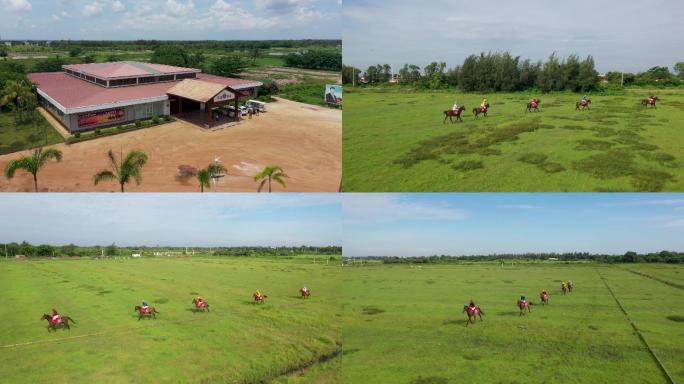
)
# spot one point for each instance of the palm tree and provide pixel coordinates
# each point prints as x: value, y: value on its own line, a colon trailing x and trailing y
x: 130, y: 167
x: 272, y: 172
x: 33, y: 163
x: 204, y: 176
x: 19, y: 94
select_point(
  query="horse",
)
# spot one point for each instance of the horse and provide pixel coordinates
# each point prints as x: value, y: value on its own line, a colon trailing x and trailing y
x: 647, y: 102
x: 451, y: 114
x: 570, y: 286
x: 533, y: 106
x: 472, y: 313
x: 564, y: 287
x: 544, y: 297
x: 149, y: 312
x: 582, y: 103
x: 62, y: 322
x: 258, y: 299
x: 305, y: 293
x: 481, y: 110
x: 200, y: 305
x: 524, y: 305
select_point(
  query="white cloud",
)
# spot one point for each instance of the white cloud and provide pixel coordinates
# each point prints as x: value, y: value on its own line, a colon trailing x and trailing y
x: 179, y: 8
x: 280, y: 6
x: 65, y: 14
x: 55, y: 18
x: 93, y: 9
x: 118, y: 6
x: 376, y: 208
x: 16, y: 5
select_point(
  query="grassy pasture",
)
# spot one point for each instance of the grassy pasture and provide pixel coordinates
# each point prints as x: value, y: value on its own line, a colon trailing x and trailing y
x: 16, y: 137
x: 396, y: 141
x: 404, y: 324
x: 236, y: 342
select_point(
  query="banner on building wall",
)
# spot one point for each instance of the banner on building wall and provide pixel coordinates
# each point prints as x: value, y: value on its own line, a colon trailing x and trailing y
x: 94, y: 118
x: 333, y: 95
x: 224, y: 96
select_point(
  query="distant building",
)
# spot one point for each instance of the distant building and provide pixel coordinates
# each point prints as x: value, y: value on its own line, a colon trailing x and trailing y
x: 395, y: 78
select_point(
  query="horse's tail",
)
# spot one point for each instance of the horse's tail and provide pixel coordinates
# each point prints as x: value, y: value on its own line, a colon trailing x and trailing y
x: 69, y: 319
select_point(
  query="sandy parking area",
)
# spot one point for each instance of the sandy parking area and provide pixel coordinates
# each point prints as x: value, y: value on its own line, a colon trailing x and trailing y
x: 305, y: 140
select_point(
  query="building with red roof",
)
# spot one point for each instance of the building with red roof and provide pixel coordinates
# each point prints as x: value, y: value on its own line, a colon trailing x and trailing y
x: 88, y: 96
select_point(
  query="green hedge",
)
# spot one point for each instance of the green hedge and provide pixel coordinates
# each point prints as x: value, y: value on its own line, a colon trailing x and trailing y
x: 140, y: 124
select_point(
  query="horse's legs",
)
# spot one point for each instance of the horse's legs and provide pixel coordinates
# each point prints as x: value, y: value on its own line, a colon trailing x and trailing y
x: 445, y: 117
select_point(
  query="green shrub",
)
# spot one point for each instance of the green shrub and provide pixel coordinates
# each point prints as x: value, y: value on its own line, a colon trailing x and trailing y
x: 167, y: 118
x: 98, y: 131
x: 138, y: 123
x: 120, y: 128
x: 77, y: 134
x: 155, y: 120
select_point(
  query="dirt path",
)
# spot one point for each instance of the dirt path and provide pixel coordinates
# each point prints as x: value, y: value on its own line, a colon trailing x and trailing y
x: 305, y: 140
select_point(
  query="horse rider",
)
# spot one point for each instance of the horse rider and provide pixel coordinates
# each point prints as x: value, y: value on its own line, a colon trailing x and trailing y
x: 200, y: 301
x: 471, y: 305
x: 523, y: 300
x: 56, y: 318
x: 455, y: 107
x: 651, y: 99
x: 258, y: 294
x: 534, y: 102
x: 145, y: 307
x: 564, y: 285
x: 544, y: 292
x: 484, y: 103
x: 585, y: 99
x: 305, y: 289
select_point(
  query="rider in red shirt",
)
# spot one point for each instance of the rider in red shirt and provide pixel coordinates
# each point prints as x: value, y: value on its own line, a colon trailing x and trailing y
x: 56, y: 318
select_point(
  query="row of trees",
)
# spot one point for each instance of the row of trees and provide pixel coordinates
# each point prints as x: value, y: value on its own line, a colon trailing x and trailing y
x: 46, y: 250
x: 628, y: 257
x: 490, y: 72
x: 493, y: 72
x: 124, y: 169
x: 315, y: 59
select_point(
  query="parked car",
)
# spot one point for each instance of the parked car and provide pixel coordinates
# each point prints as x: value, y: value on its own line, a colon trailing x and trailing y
x: 255, y: 104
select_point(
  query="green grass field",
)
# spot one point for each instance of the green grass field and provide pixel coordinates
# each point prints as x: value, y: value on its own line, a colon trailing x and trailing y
x: 237, y: 342
x: 33, y: 134
x: 403, y: 324
x: 395, y: 140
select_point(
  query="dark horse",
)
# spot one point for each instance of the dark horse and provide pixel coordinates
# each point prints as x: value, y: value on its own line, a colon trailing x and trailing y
x: 481, y: 110
x: 584, y: 104
x: 200, y: 305
x: 533, y: 106
x: 473, y: 313
x: 570, y: 286
x: 451, y: 114
x: 305, y: 293
x: 258, y: 299
x: 649, y: 101
x: 544, y: 297
x: 62, y: 322
x: 149, y: 312
x: 524, y: 305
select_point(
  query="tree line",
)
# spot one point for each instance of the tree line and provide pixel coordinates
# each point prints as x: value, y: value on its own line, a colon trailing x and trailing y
x: 629, y: 257
x: 71, y: 250
x: 315, y: 59
x: 152, y: 44
x: 494, y: 72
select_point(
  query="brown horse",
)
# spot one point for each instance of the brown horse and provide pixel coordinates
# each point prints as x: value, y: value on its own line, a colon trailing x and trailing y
x: 62, y: 322
x: 473, y: 313
x: 200, y: 306
x: 305, y: 293
x: 584, y: 104
x: 451, y: 114
x: 149, y: 312
x: 564, y: 287
x: 481, y: 110
x: 544, y: 297
x: 258, y: 299
x: 524, y: 305
x: 533, y: 106
x: 570, y: 286
x: 649, y: 101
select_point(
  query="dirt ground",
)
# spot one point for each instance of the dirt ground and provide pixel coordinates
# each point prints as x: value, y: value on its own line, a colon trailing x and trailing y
x: 305, y: 140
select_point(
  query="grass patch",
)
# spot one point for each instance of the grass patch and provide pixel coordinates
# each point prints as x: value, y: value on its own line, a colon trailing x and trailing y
x: 31, y: 134
x: 468, y: 165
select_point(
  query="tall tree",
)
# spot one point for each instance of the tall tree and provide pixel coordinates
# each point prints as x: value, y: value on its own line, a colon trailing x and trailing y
x: 33, y: 163
x: 229, y: 66
x: 588, y: 76
x: 268, y: 174
x: 205, y: 175
x: 129, y: 168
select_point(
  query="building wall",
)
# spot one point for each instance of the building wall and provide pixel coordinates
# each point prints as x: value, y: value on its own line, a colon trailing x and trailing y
x: 131, y: 114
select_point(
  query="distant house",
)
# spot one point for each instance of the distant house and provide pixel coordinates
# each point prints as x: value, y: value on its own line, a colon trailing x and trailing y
x: 395, y: 78
x: 136, y: 255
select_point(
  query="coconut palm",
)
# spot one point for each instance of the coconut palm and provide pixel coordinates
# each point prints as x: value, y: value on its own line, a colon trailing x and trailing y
x: 272, y: 172
x: 130, y: 167
x: 19, y: 94
x: 204, y: 176
x: 33, y: 163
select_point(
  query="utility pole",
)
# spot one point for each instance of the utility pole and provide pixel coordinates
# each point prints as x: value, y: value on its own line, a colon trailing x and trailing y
x: 353, y: 77
x: 622, y: 79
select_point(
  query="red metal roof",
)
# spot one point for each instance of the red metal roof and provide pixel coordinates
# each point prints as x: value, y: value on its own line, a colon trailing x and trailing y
x: 71, y: 92
x: 127, y: 69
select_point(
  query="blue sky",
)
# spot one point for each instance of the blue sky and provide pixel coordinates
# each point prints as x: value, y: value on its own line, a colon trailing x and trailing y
x: 170, y: 19
x: 621, y: 35
x: 464, y: 224
x: 172, y: 219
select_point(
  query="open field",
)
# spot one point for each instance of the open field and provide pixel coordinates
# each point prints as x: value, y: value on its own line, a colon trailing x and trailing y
x: 236, y: 342
x: 403, y: 324
x: 305, y: 140
x: 32, y: 134
x: 396, y: 141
